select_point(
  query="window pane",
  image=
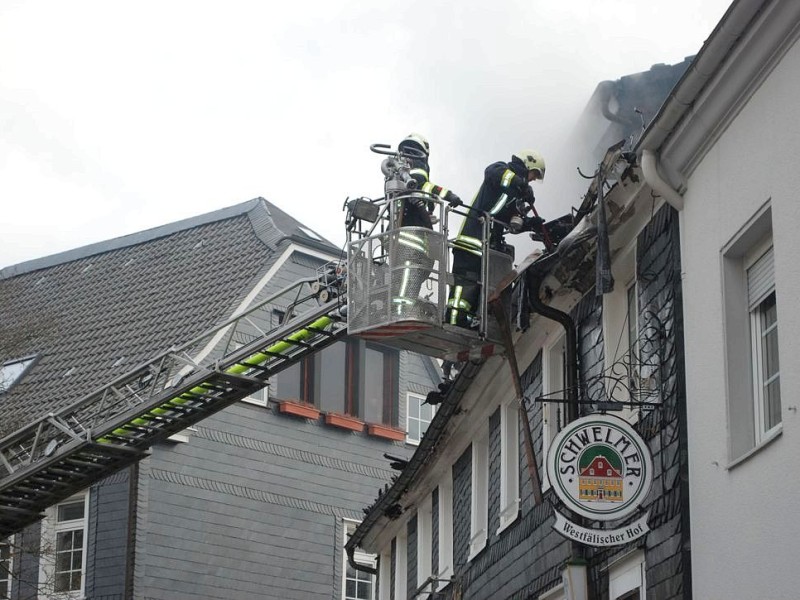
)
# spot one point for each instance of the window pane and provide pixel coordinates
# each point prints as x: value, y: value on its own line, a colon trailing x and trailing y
x: 364, y: 588
x: 70, y: 512
x: 413, y: 429
x: 772, y: 404
x: 423, y: 427
x: 62, y: 582
x: 426, y: 412
x: 633, y: 324
x: 287, y: 386
x: 373, y: 385
x: 413, y: 407
x: 330, y: 393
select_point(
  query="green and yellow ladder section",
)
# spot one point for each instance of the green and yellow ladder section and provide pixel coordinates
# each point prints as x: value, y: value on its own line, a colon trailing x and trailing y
x: 64, y: 452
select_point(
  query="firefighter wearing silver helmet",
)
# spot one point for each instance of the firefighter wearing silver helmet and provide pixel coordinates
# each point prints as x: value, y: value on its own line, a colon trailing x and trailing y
x: 503, y: 192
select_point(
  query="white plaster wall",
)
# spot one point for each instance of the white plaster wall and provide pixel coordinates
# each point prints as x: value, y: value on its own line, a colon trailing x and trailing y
x: 746, y: 520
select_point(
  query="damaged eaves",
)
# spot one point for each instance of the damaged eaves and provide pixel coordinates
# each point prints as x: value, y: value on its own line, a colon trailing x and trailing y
x: 571, y: 269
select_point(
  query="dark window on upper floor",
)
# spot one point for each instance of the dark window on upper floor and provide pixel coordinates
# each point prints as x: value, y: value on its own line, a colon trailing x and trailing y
x: 348, y: 377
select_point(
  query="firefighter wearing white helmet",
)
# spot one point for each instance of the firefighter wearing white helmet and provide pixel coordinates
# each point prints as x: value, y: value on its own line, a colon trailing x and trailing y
x: 416, y: 213
x: 503, y: 195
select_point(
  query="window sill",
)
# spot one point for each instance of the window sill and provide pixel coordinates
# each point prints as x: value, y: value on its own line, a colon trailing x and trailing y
x: 776, y: 433
x: 506, y: 522
x: 476, y: 548
x: 254, y: 401
x: 384, y: 431
x: 344, y: 421
x: 299, y: 409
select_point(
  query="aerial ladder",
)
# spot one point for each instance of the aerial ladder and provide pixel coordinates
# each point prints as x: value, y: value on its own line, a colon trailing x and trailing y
x: 383, y: 291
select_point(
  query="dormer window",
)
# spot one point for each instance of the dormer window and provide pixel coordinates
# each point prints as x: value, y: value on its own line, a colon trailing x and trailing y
x: 12, y: 371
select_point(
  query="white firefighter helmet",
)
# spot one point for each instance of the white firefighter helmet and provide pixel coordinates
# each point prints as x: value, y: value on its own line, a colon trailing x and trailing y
x: 533, y: 161
x: 415, y: 140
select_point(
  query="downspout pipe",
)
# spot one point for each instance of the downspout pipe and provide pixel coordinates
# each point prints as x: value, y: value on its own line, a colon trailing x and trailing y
x: 653, y: 178
x: 358, y: 566
x: 535, y: 280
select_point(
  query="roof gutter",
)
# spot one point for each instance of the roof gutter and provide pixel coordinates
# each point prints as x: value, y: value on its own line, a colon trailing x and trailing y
x: 682, y: 103
x: 657, y: 183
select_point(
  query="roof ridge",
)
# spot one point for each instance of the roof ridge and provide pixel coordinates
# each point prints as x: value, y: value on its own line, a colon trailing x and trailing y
x: 133, y: 239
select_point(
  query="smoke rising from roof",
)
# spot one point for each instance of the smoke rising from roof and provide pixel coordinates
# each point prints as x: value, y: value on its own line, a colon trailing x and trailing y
x: 119, y: 117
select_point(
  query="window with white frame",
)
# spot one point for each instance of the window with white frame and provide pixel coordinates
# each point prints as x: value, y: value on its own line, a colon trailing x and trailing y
x: 621, y: 332
x: 13, y: 370
x: 479, y: 502
x: 626, y: 578
x: 418, y: 418
x: 762, y: 306
x: 445, y: 570
x: 357, y: 585
x: 424, y: 541
x: 509, y: 463
x: 63, y: 561
x: 750, y: 304
x: 554, y: 361
x: 5, y: 569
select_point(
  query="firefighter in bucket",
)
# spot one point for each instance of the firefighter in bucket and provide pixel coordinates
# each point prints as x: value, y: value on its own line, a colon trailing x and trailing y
x: 415, y: 213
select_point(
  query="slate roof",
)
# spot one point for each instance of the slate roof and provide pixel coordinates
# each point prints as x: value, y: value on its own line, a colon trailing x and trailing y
x: 93, y: 313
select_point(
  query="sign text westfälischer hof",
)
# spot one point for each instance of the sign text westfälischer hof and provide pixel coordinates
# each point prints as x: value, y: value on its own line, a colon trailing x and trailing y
x: 601, y: 469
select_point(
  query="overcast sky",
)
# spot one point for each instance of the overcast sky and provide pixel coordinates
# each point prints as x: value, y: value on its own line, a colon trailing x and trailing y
x: 118, y: 116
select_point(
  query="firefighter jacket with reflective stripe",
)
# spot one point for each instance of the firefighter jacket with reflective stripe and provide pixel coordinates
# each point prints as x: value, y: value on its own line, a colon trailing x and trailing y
x: 503, y: 184
x: 417, y: 213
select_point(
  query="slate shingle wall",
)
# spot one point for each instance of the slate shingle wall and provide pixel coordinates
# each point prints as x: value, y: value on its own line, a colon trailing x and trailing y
x: 412, y: 555
x: 108, y: 536
x: 435, y: 531
x: 462, y: 486
x: 393, y: 573
x: 527, y: 558
x: 494, y: 474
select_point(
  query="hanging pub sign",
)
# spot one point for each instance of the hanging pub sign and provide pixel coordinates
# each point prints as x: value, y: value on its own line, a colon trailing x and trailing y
x: 601, y: 469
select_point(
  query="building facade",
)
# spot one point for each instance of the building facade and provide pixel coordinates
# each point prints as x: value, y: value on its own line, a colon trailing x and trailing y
x: 701, y: 252
x: 254, y: 501
x: 738, y: 242
x: 463, y: 521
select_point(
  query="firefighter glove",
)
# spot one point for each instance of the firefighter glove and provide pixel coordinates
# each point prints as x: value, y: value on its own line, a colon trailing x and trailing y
x: 454, y: 200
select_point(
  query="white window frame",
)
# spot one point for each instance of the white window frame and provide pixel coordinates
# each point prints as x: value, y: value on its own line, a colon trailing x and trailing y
x: 414, y: 397
x: 445, y: 566
x: 509, y: 464
x: 616, y: 331
x: 401, y: 566
x: 745, y: 434
x: 424, y: 542
x: 360, y: 557
x: 479, y: 501
x: 51, y: 527
x: 553, y: 413
x: 627, y: 575
x: 7, y: 572
x: 762, y: 431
